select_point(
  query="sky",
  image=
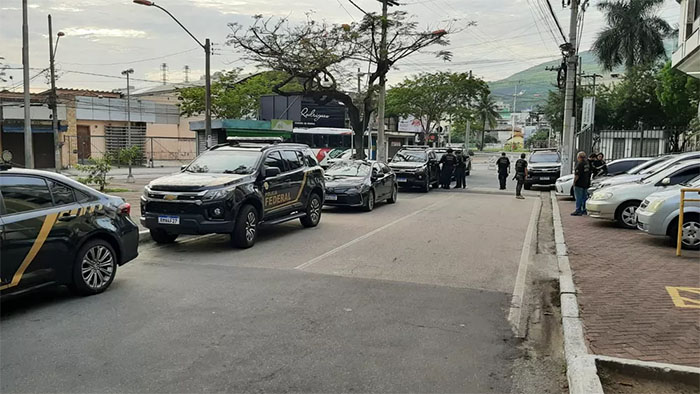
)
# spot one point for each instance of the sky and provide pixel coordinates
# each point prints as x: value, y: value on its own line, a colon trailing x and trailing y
x: 104, y: 37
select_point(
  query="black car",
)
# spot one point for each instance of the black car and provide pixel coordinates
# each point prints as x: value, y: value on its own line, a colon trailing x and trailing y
x: 416, y: 166
x: 233, y: 188
x: 543, y: 168
x: 439, y: 152
x: 360, y: 183
x: 56, y: 231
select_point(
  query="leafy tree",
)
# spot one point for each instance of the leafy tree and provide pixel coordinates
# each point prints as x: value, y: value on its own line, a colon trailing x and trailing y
x: 487, y: 114
x: 96, y: 172
x: 678, y: 95
x: 319, y: 55
x: 433, y: 97
x: 634, y: 34
x: 536, y: 139
x: 130, y: 155
x: 233, y: 96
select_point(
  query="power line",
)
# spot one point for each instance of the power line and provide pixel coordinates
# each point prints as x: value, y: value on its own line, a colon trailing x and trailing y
x: 133, y: 61
x: 358, y: 7
x: 346, y: 10
x: 551, y: 10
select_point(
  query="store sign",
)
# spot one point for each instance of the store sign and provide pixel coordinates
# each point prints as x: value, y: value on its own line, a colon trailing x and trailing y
x: 410, y: 125
x: 312, y: 114
x: 587, y: 113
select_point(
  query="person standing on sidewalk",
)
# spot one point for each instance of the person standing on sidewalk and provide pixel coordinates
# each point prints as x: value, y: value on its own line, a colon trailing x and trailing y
x: 503, y: 164
x: 582, y: 180
x: 520, y: 175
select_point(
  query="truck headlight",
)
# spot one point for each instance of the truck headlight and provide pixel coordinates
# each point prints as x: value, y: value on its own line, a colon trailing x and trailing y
x: 601, y: 196
x: 654, y: 206
x: 216, y: 194
x: 146, y: 190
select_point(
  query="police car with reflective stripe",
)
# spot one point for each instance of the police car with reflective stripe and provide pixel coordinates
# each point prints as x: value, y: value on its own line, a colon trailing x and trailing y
x: 56, y: 231
x: 234, y: 188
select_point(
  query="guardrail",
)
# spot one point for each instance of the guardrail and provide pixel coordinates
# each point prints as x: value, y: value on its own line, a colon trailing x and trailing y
x: 679, y: 241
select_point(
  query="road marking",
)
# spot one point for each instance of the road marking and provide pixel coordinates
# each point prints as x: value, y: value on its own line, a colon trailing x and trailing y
x: 519, y: 289
x: 682, y: 300
x: 369, y: 234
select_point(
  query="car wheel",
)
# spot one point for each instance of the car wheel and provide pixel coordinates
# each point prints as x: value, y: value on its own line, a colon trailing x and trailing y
x: 245, y: 230
x: 369, y: 202
x: 162, y: 236
x: 394, y: 195
x: 626, y: 214
x: 691, y: 232
x: 94, y: 268
x: 313, y: 212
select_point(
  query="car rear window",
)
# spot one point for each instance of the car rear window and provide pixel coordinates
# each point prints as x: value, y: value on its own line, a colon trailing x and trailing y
x: 23, y: 193
x: 62, y: 194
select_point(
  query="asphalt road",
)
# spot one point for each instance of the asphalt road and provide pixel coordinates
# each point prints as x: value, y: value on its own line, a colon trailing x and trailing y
x: 412, y: 297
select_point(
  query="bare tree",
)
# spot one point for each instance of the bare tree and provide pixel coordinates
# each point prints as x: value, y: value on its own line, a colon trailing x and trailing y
x: 320, y: 56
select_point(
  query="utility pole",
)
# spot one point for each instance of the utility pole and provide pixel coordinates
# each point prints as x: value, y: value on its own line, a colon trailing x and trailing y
x: 466, y: 137
x: 207, y: 94
x: 593, y: 76
x: 164, y: 70
x: 187, y: 74
x: 130, y: 178
x: 28, y: 149
x: 569, y: 120
x: 53, y: 101
x: 381, y: 152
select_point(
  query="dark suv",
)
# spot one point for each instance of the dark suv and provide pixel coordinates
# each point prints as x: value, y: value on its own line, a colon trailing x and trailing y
x: 416, y: 166
x: 543, y: 168
x: 233, y: 188
x: 56, y: 231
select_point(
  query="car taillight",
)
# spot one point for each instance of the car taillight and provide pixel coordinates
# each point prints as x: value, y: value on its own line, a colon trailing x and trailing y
x: 125, y: 209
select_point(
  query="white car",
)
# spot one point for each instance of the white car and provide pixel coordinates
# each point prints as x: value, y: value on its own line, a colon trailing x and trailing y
x: 620, y: 202
x: 564, y: 186
x: 643, y: 170
x: 659, y: 212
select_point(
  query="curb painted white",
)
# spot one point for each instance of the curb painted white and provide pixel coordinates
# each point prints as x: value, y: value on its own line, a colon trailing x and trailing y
x: 581, y: 371
x: 516, y: 301
x: 662, y: 367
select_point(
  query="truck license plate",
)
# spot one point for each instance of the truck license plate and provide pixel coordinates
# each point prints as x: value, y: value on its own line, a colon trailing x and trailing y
x: 400, y: 179
x: 168, y: 220
x: 331, y: 197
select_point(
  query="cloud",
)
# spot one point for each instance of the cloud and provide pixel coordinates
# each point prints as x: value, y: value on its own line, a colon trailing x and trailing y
x: 61, y: 8
x: 99, y: 32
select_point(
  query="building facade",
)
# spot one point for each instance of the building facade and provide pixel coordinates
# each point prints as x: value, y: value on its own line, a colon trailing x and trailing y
x: 686, y: 58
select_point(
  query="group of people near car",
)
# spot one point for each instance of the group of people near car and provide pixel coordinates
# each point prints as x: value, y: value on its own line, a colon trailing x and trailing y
x: 503, y: 164
x: 453, y: 164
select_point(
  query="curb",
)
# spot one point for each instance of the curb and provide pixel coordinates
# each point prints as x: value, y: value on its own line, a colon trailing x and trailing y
x: 581, y: 370
x: 144, y: 237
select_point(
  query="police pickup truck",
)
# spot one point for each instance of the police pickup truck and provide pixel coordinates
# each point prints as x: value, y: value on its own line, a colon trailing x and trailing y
x: 234, y: 188
x: 416, y: 166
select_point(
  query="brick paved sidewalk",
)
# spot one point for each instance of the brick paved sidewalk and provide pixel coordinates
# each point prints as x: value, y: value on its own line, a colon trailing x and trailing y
x: 621, y: 277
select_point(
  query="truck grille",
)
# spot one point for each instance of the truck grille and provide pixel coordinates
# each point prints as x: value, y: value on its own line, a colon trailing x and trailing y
x: 172, y: 208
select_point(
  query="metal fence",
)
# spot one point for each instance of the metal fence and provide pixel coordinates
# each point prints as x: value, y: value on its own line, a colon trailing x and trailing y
x: 176, y: 149
x: 618, y: 144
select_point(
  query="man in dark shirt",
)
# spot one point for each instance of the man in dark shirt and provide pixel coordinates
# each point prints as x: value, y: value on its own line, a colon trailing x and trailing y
x: 503, y: 164
x: 448, y: 161
x: 582, y: 180
x: 520, y: 175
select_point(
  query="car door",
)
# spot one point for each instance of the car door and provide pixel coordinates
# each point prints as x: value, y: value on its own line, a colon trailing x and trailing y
x: 433, y: 167
x: 36, y: 239
x: 382, y: 183
x: 276, y: 189
x: 390, y: 178
x: 296, y: 176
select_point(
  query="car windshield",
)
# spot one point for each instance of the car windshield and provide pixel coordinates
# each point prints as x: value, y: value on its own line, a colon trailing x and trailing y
x: 349, y: 168
x: 336, y: 153
x: 656, y: 167
x: 640, y: 167
x: 225, y: 162
x: 416, y: 156
x: 548, y: 157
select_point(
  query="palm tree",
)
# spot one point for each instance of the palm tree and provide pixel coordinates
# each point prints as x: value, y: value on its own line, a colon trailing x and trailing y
x: 487, y: 112
x: 634, y: 35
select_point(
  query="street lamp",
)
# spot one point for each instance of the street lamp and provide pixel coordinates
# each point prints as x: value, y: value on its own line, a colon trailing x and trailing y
x: 207, y: 70
x: 130, y: 177
x: 53, y: 103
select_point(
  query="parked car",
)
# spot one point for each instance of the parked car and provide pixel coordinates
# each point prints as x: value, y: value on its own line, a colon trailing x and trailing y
x: 644, y: 170
x: 619, y: 202
x: 659, y: 214
x: 543, y: 168
x: 360, y: 183
x: 416, y: 166
x: 334, y: 154
x: 234, y: 188
x: 439, y: 152
x: 56, y: 231
x: 565, y: 185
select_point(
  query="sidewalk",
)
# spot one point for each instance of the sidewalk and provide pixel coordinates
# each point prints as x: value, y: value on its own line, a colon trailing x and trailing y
x: 630, y: 288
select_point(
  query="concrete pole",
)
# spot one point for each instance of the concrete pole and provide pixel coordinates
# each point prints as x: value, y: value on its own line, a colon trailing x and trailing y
x: 466, y: 137
x: 569, y: 125
x: 28, y: 145
x: 207, y: 94
x: 381, y: 149
x: 54, y: 102
x: 130, y: 177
